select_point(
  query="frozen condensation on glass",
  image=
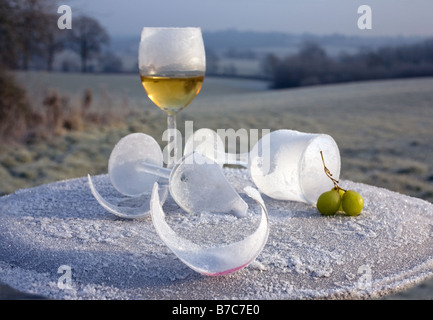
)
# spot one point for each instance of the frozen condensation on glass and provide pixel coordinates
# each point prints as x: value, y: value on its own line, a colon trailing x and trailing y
x: 127, y: 154
x: 198, y: 183
x: 127, y: 178
x: 286, y: 165
x: 191, y: 51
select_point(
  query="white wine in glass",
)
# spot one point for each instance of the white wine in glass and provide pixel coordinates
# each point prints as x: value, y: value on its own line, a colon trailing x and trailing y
x: 172, y: 64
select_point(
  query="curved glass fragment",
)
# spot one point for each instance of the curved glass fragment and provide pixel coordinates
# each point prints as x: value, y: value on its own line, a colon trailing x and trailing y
x: 212, y: 260
x: 127, y: 212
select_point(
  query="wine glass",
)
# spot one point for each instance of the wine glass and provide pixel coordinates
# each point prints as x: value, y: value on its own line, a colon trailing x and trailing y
x: 172, y: 64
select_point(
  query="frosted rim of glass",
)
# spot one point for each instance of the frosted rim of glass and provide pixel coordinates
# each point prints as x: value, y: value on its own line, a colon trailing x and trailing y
x: 149, y: 29
x: 163, y: 51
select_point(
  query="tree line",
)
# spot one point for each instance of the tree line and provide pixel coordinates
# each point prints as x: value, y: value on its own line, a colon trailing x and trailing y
x: 30, y: 38
x: 313, y: 66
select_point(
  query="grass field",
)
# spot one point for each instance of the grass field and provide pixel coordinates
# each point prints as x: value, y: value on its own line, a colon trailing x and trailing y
x: 383, y: 128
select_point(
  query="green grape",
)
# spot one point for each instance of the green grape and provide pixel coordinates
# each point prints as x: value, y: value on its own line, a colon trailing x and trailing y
x: 329, y: 202
x: 352, y: 203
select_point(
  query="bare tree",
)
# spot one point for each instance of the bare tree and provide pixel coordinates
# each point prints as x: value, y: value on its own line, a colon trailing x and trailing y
x: 9, y: 48
x: 54, y: 42
x: 270, y: 64
x: 24, y: 30
x: 109, y: 62
x: 87, y: 39
x: 32, y: 28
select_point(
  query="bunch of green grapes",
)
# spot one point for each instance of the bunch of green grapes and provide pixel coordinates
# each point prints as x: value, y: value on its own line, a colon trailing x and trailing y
x: 338, y: 199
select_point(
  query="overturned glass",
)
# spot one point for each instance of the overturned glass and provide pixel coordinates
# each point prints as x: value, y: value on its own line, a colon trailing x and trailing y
x: 195, y: 182
x: 283, y: 164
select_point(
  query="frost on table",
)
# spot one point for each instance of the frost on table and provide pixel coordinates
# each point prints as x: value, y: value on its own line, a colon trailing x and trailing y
x: 386, y: 249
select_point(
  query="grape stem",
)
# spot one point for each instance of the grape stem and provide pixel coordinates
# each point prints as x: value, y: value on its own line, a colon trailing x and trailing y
x: 329, y: 174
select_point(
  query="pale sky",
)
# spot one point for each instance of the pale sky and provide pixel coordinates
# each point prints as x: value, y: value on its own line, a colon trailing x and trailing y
x: 389, y: 17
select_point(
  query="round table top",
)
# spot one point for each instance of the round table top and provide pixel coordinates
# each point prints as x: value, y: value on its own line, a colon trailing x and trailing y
x: 58, y: 242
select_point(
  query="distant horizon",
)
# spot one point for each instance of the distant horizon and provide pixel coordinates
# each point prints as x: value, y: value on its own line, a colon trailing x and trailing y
x: 389, y: 17
x: 297, y: 34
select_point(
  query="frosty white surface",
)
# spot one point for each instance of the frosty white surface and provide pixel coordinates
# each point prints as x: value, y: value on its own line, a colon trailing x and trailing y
x: 190, y: 56
x: 307, y: 256
x: 198, y: 183
x: 124, y: 159
x: 286, y: 165
x: 218, y: 259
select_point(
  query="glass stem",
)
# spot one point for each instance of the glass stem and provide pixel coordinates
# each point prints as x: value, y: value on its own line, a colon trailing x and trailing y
x: 172, y: 141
